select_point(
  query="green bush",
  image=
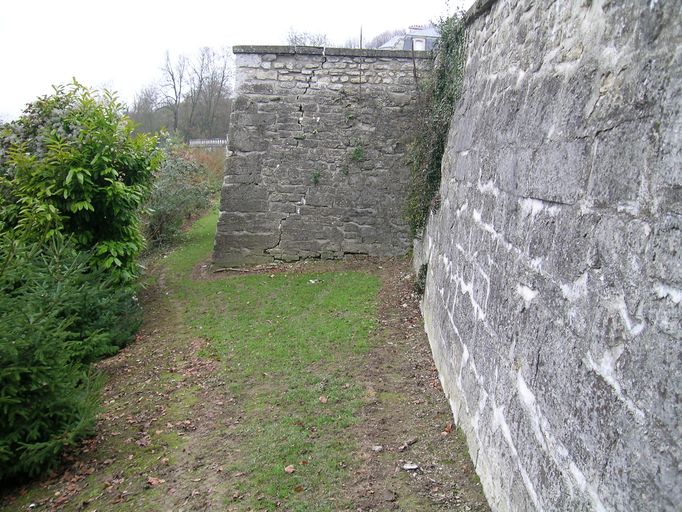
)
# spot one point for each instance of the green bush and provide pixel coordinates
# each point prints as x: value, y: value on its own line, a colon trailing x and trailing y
x: 437, y: 99
x: 56, y: 315
x: 71, y: 165
x: 182, y: 187
x: 72, y: 182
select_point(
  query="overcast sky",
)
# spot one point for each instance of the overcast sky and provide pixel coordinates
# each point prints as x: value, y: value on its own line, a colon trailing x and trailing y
x: 121, y: 44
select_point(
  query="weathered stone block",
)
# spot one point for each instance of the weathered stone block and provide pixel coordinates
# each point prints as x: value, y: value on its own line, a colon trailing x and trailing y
x: 292, y: 134
x: 554, y: 266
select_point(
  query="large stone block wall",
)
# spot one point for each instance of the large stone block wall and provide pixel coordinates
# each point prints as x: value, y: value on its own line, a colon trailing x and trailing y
x: 317, y: 166
x: 554, y: 284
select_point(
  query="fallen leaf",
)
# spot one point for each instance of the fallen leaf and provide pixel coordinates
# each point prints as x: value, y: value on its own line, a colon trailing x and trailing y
x: 290, y: 469
x: 303, y: 462
x: 298, y: 488
x: 152, y: 480
x: 407, y: 443
x: 324, y: 399
x: 410, y: 466
x: 60, y: 500
x: 377, y: 448
x: 447, y: 429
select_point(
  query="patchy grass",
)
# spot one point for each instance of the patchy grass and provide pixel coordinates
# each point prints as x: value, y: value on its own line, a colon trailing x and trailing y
x: 284, y: 341
x: 264, y: 391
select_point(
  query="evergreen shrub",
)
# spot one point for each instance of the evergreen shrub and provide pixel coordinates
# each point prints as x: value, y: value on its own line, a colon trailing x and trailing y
x: 56, y: 316
x: 73, y: 179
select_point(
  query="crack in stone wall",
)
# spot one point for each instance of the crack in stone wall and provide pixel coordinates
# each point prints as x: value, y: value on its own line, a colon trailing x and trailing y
x: 305, y: 91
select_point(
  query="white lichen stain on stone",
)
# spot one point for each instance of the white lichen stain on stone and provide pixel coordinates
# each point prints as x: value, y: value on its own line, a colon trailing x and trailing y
x: 300, y: 203
x: 488, y: 188
x: 526, y: 293
x: 536, y: 264
x: 530, y: 207
x: 553, y: 447
x: 479, y: 410
x: 606, y: 369
x: 634, y: 329
x: 488, y: 228
x: 629, y: 207
x: 462, y: 366
x: 500, y: 422
x: 575, y: 290
x: 586, y: 206
x: 662, y: 291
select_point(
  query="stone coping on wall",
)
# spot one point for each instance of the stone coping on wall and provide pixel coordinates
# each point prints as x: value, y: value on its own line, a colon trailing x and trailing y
x: 478, y: 8
x: 319, y: 50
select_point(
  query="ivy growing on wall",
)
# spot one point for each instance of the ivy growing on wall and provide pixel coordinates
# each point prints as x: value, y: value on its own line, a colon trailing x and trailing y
x: 438, y: 96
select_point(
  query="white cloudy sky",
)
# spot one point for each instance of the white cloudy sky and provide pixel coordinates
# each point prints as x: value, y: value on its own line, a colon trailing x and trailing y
x: 121, y: 44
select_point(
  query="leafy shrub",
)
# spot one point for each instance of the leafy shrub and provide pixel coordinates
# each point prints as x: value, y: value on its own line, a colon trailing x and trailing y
x: 438, y: 96
x: 182, y: 186
x: 72, y: 181
x: 70, y: 165
x: 56, y: 315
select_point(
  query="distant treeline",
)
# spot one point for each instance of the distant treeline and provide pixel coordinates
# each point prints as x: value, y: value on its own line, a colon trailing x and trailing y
x: 191, y: 98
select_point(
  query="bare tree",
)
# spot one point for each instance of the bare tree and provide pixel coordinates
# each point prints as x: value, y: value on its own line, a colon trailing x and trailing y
x: 146, y: 107
x: 295, y: 38
x: 172, y: 85
x: 192, y: 98
x: 197, y: 81
x: 217, y: 91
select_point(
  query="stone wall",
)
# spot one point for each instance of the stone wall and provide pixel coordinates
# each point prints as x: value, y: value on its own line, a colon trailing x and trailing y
x: 317, y: 165
x: 554, y: 272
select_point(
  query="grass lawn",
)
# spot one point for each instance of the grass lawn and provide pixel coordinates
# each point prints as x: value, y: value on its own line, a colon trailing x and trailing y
x: 285, y: 342
x: 267, y: 390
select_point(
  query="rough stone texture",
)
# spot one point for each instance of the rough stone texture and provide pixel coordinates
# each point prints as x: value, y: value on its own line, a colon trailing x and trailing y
x: 317, y: 166
x: 555, y: 280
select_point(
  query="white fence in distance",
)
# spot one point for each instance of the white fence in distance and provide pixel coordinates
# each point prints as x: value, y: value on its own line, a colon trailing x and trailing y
x: 208, y: 143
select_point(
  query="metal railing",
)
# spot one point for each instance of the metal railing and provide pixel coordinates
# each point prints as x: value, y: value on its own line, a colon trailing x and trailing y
x: 208, y: 143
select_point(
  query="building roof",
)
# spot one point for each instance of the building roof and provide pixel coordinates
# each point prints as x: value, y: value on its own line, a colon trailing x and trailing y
x: 423, y: 30
x: 404, y: 42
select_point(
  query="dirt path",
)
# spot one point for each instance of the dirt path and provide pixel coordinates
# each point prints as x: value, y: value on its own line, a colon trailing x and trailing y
x: 171, y: 432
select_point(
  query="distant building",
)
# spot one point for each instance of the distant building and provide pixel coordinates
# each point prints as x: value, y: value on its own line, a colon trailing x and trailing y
x: 418, y: 37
